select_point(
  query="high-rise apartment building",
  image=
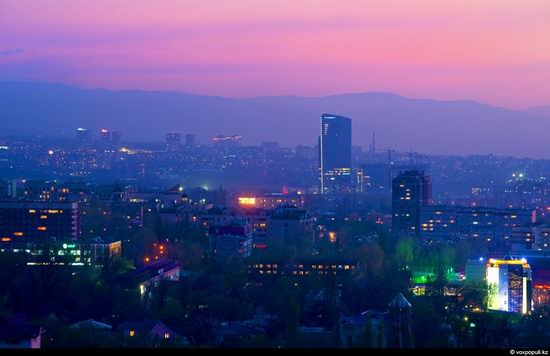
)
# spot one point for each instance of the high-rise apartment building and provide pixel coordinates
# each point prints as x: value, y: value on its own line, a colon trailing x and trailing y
x: 105, y: 136
x: 83, y: 136
x: 173, y: 141
x: 189, y: 140
x: 116, y: 138
x: 411, y: 190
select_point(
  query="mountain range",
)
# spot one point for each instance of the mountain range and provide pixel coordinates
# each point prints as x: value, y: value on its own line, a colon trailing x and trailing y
x: 421, y: 125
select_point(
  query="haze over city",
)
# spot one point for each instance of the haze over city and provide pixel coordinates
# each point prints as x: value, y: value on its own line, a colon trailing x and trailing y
x: 261, y: 174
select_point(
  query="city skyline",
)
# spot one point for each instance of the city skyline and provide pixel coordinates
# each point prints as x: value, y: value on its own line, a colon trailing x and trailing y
x: 449, y: 127
x: 275, y: 174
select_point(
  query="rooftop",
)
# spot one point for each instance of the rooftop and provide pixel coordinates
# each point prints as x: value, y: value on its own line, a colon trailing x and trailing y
x: 14, y: 328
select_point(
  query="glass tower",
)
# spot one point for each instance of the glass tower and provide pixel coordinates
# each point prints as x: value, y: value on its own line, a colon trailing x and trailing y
x: 335, y: 154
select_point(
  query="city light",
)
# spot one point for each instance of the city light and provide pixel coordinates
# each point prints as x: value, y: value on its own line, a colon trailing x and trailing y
x: 509, y: 285
x: 247, y: 201
x: 257, y: 209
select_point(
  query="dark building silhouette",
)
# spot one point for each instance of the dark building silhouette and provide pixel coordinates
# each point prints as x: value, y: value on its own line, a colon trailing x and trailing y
x: 335, y: 154
x: 189, y: 140
x: 400, y: 318
x: 374, y: 177
x: 116, y: 137
x: 411, y: 190
x: 83, y: 136
x: 105, y: 136
x: 21, y: 220
x: 173, y: 141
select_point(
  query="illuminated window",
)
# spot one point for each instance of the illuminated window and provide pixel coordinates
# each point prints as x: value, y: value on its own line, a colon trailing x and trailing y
x: 41, y: 228
x: 166, y: 335
x: 43, y: 217
x: 132, y: 333
x: 17, y: 233
x: 247, y: 201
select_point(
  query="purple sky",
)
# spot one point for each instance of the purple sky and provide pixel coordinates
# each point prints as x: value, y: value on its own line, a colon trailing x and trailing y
x: 494, y: 51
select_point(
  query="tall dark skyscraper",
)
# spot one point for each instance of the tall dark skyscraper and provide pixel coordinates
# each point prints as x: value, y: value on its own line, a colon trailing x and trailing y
x: 116, y: 137
x: 173, y: 141
x: 105, y: 137
x: 189, y: 140
x: 335, y: 154
x: 84, y: 136
x: 411, y: 190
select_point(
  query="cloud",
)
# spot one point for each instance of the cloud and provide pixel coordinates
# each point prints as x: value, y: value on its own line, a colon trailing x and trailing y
x: 12, y: 52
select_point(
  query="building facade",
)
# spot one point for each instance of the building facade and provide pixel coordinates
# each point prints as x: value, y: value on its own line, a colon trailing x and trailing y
x: 173, y: 141
x: 84, y: 137
x: 492, y: 225
x: 335, y: 154
x: 39, y: 252
x: 270, y: 201
x: 509, y: 285
x: 21, y: 220
x: 411, y: 191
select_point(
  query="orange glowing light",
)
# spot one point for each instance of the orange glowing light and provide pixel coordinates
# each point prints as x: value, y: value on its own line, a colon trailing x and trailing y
x: 247, y: 201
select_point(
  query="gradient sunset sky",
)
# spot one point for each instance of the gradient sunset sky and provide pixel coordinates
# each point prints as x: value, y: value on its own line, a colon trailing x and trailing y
x: 493, y: 51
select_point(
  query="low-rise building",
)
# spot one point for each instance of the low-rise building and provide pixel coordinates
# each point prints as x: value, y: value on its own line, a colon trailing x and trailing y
x: 291, y: 222
x: 509, y: 284
x: 150, y: 275
x: 231, y: 240
x: 150, y: 333
x: 64, y: 252
x: 492, y: 225
x: 270, y: 201
x: 20, y: 220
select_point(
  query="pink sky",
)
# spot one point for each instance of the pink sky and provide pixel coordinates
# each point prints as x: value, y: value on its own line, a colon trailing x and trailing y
x: 494, y: 51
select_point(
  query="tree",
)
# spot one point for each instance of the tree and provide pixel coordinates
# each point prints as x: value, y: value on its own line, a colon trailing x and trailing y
x: 404, y: 252
x: 189, y: 254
